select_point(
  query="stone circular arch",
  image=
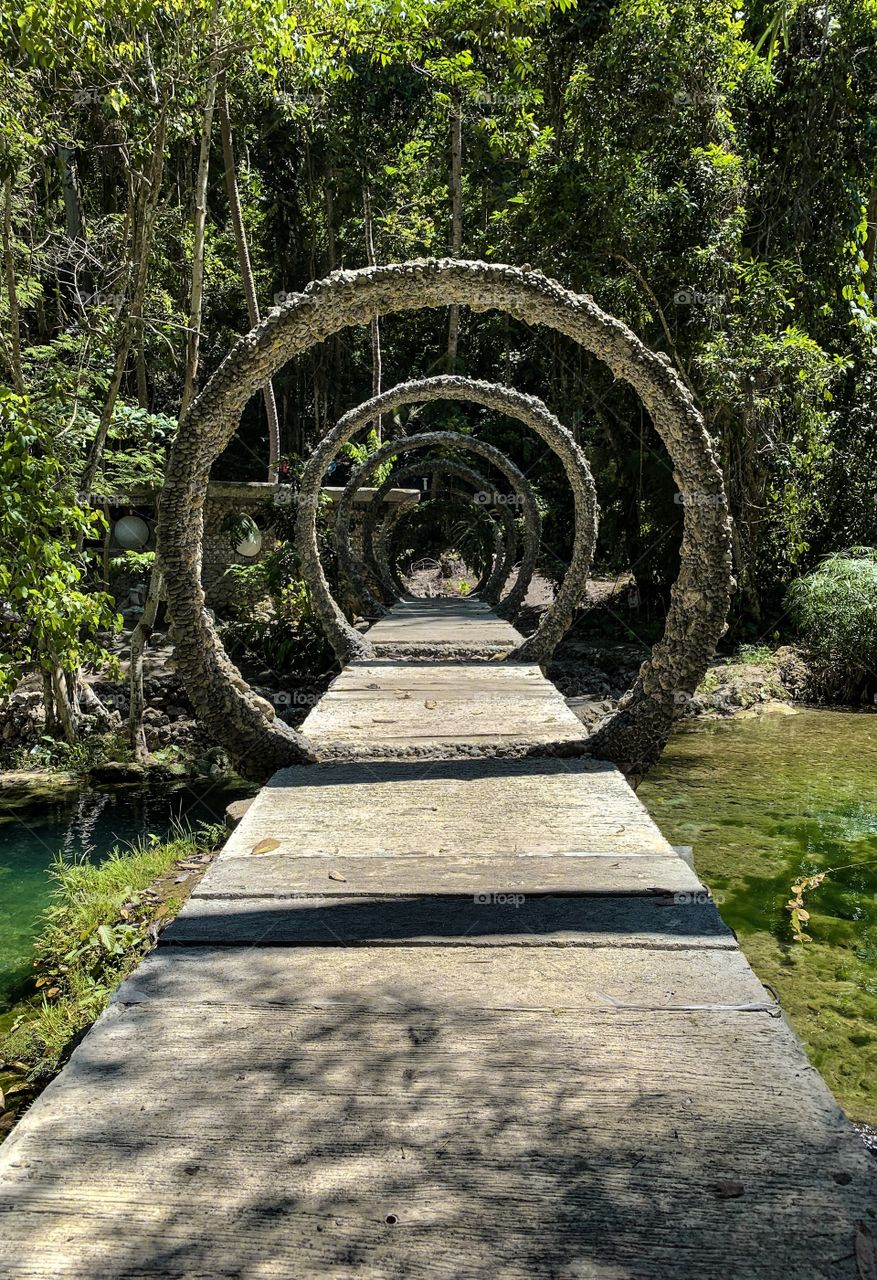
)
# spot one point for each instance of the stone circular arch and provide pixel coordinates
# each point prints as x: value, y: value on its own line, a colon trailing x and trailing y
x: 343, y: 638
x: 454, y: 499
x: 348, y: 643
x: 634, y: 736
x: 492, y: 588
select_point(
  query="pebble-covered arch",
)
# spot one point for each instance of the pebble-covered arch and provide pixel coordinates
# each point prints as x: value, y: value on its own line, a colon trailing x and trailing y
x: 349, y: 643
x: 346, y: 640
x: 452, y: 469
x: 634, y: 736
x: 454, y: 500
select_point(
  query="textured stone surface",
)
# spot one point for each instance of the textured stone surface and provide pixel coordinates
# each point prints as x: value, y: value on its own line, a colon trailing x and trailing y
x: 634, y: 736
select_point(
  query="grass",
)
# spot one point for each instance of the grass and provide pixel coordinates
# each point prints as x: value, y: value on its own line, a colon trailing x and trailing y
x: 103, y: 919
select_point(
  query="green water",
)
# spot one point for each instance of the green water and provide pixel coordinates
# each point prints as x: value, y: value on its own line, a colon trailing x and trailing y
x: 763, y: 801
x: 90, y: 823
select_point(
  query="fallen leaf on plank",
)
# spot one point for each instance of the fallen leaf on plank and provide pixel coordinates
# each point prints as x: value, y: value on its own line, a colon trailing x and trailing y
x: 265, y: 846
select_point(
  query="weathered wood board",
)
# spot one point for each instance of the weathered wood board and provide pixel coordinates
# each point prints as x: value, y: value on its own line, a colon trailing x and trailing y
x: 438, y: 808
x: 279, y: 875
x: 434, y: 623
x: 280, y: 1114
x: 488, y: 919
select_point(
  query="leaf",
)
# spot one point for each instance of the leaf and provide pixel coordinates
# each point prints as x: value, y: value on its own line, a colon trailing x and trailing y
x: 265, y: 846
x: 336, y: 875
x: 2, y: 1100
x: 430, y: 704
x: 105, y: 934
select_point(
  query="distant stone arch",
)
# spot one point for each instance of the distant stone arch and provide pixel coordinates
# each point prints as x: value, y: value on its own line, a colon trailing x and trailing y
x: 349, y: 643
x: 634, y: 736
x: 345, y: 639
x: 453, y: 499
x: 450, y: 467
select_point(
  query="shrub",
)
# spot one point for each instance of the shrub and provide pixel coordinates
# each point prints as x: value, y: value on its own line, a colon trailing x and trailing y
x: 834, y: 609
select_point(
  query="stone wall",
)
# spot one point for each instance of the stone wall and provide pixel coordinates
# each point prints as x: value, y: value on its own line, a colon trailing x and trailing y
x: 227, y: 498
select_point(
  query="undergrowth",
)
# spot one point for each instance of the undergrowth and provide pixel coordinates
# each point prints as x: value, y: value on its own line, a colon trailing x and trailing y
x: 103, y: 919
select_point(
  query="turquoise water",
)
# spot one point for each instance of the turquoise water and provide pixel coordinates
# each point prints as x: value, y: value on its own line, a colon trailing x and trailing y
x: 762, y: 802
x: 89, y: 824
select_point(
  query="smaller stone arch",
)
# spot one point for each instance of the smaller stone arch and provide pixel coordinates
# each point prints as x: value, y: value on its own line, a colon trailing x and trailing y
x: 456, y: 499
x: 351, y: 645
x: 492, y: 589
x: 406, y: 444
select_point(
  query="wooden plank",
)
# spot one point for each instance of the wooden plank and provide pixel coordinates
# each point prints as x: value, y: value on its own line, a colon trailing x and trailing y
x: 485, y: 920
x: 288, y: 874
x: 244, y: 1138
x: 472, y: 807
x: 435, y: 623
x: 449, y: 979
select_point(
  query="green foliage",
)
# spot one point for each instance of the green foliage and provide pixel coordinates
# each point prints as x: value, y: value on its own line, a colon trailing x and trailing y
x: 49, y: 617
x: 95, y: 933
x: 835, y: 608
x: 77, y: 757
x: 360, y: 453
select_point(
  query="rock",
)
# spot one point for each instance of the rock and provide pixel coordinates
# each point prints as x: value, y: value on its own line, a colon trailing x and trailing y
x: 118, y: 772
x: 21, y: 788
x: 235, y: 811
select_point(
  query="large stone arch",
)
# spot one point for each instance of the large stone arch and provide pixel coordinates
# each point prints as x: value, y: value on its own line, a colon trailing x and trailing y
x: 636, y: 733
x: 351, y: 645
x: 344, y: 639
x: 451, y: 468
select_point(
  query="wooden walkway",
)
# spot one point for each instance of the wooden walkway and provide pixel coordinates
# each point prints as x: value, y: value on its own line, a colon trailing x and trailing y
x: 441, y: 1015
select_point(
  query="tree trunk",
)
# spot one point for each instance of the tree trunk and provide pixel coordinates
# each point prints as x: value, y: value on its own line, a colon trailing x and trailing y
x: 144, y: 626
x: 11, y: 292
x: 871, y: 237
x: 132, y: 315
x: 70, y: 188
x: 63, y: 706
x: 140, y: 637
x: 140, y: 365
x: 50, y: 718
x: 375, y: 324
x: 196, y: 295
x: 247, y: 278
x: 456, y: 217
